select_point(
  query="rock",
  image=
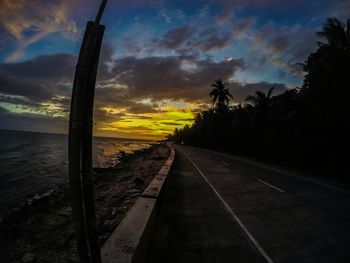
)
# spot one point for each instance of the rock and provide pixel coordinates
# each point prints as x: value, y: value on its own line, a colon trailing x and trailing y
x: 65, y: 211
x: 75, y: 259
x: 116, y: 200
x: 134, y: 191
x: 122, y: 156
x: 128, y: 202
x: 114, y: 211
x: 29, y: 257
x: 134, y: 195
x: 139, y: 181
x: 109, y: 224
x: 102, y: 238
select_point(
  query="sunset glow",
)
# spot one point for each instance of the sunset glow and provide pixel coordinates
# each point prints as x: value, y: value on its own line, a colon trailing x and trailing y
x: 157, y: 61
x: 148, y: 125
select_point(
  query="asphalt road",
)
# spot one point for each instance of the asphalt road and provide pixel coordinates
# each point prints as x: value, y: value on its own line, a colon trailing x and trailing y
x: 220, y: 208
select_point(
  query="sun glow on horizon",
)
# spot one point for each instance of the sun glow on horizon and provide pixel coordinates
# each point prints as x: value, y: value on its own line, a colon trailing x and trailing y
x: 167, y: 115
x: 156, y: 63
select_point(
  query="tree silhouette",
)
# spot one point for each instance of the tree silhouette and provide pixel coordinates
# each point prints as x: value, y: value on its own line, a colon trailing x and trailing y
x: 327, y: 68
x: 220, y: 94
x: 304, y: 127
x: 336, y: 34
x: 260, y: 99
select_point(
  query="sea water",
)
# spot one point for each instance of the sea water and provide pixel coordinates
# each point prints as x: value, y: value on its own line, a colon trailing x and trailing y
x: 38, y: 162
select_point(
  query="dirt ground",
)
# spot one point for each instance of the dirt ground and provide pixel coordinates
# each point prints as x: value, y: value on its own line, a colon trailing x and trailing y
x: 43, y: 231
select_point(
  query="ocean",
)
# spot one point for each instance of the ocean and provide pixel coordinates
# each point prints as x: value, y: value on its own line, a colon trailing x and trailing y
x: 34, y: 163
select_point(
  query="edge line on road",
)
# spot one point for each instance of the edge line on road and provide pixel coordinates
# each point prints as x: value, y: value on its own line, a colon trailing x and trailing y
x: 270, y: 185
x: 230, y: 211
x: 293, y: 175
x: 225, y: 163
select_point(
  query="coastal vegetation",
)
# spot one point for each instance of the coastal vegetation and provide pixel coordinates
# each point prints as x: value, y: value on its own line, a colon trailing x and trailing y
x: 306, y: 127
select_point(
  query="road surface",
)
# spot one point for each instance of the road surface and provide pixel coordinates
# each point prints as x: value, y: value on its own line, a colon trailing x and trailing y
x: 220, y: 208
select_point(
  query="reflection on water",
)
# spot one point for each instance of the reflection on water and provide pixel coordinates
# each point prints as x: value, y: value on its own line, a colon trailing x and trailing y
x: 106, y: 150
x: 36, y: 162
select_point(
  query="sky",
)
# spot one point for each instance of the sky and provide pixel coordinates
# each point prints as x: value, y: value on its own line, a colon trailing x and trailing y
x: 158, y: 58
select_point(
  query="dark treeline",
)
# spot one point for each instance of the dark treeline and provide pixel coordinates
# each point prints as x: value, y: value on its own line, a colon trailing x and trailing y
x: 306, y: 127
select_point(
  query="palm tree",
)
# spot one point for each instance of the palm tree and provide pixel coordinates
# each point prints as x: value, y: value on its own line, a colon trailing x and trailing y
x: 336, y: 34
x: 260, y: 99
x: 327, y: 68
x: 221, y: 95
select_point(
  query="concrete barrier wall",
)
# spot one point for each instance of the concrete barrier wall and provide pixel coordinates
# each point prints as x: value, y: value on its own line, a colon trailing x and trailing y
x: 128, y: 242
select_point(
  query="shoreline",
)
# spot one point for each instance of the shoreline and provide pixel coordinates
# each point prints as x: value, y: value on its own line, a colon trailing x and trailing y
x: 44, y: 230
x: 47, y: 192
x: 35, y: 163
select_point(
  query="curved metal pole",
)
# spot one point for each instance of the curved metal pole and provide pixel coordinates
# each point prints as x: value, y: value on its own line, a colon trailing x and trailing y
x: 86, y: 149
x: 80, y: 142
x: 100, y: 12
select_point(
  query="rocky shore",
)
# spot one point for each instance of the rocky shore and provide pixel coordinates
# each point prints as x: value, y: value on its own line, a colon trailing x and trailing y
x: 42, y: 230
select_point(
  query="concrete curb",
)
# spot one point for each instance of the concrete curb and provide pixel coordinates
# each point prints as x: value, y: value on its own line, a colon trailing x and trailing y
x: 129, y: 240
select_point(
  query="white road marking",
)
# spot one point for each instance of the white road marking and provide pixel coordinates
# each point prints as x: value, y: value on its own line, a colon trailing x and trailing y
x: 230, y: 211
x: 290, y: 174
x: 225, y: 163
x: 278, y: 189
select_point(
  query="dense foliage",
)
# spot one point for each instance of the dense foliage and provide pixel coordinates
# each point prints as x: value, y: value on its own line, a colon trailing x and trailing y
x: 305, y: 127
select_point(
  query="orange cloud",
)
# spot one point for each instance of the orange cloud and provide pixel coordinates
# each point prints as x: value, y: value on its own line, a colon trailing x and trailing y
x: 36, y: 16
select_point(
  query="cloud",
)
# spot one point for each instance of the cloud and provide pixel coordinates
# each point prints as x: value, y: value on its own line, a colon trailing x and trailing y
x: 242, y: 4
x: 154, y: 67
x: 170, y: 123
x: 48, y: 78
x: 213, y: 41
x: 20, y: 51
x: 266, y: 45
x: 241, y: 91
x: 168, y: 77
x: 177, y: 37
x: 203, y: 12
x: 242, y: 27
x: 289, y: 46
x: 142, y: 108
x: 43, y: 67
x: 32, y: 91
x: 112, y: 97
x: 272, y: 46
x: 42, y: 84
x: 190, y: 40
x: 224, y: 16
x: 341, y: 9
x: 32, y: 122
x: 30, y: 21
x: 131, y: 93
x: 166, y: 14
x: 104, y: 116
x: 40, y: 87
